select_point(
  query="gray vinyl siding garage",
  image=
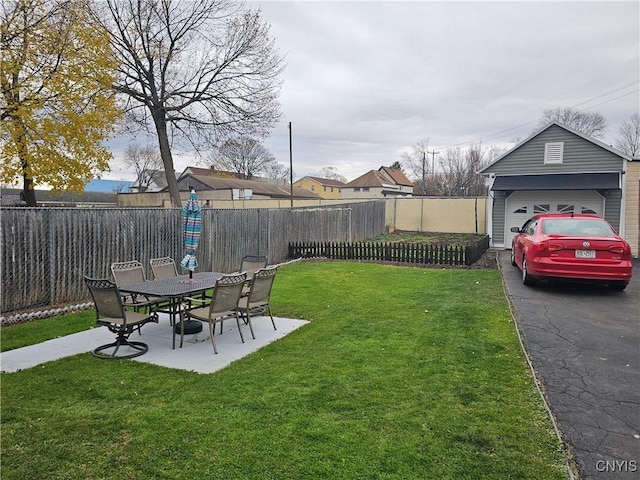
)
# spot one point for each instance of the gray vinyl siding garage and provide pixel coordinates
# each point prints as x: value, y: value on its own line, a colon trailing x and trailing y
x: 555, y: 170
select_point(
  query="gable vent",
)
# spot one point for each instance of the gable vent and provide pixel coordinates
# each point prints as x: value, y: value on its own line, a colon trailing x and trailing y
x: 553, y: 152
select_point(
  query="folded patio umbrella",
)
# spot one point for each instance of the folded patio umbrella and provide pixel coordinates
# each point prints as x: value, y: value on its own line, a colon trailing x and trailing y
x: 191, y: 229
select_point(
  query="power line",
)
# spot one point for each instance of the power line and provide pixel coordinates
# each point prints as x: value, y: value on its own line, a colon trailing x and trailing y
x: 610, y: 92
x: 611, y: 100
x: 615, y: 90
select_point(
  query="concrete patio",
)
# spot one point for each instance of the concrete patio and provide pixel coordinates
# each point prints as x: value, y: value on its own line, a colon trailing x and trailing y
x: 196, y: 354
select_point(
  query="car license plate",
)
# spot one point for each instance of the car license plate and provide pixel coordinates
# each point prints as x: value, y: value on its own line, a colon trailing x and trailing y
x: 585, y: 254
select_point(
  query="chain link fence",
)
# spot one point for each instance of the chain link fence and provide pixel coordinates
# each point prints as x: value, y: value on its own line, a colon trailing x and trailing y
x: 47, y: 251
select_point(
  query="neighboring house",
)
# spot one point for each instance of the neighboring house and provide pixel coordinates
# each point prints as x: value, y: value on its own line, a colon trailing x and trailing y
x: 381, y: 183
x: 212, y: 172
x: 559, y: 169
x: 235, y: 189
x: 157, y: 180
x: 324, y: 187
x: 153, y: 181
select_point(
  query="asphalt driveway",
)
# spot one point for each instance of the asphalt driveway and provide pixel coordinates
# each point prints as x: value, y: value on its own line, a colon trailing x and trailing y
x: 584, y: 342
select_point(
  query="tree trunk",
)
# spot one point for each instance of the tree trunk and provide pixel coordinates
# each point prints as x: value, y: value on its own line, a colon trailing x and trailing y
x: 29, y: 192
x: 167, y: 159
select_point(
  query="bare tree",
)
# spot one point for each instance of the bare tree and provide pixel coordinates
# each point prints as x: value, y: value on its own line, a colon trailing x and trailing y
x: 194, y: 70
x: 332, y: 174
x: 453, y: 172
x: 145, y: 161
x: 121, y: 187
x: 459, y: 175
x: 417, y: 165
x: 245, y: 156
x: 588, y: 123
x: 629, y: 136
x: 277, y: 171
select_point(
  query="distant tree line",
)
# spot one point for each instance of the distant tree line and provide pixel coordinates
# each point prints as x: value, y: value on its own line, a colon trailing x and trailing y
x: 454, y: 172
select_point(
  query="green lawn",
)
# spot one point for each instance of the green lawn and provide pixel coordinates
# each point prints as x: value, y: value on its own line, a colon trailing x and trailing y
x: 403, y: 373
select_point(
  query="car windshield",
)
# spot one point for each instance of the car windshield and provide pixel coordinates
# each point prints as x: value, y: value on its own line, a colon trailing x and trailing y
x: 577, y: 226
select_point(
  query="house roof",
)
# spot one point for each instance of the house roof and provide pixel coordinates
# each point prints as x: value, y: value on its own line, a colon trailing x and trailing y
x: 370, y: 179
x: 397, y: 176
x: 330, y: 182
x: 258, y: 188
x: 382, y: 176
x: 210, y: 172
x: 595, y: 141
x: 157, y: 177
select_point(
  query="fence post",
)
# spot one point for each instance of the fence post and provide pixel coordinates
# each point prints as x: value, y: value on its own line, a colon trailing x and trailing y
x: 50, y: 255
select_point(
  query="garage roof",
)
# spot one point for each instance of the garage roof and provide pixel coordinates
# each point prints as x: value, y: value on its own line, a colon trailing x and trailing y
x: 562, y: 181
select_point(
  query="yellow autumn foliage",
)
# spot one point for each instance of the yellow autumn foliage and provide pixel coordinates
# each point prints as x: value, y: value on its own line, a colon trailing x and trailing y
x: 57, y: 104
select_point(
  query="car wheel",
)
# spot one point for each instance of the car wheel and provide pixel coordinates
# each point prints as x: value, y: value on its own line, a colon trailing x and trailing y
x: 526, y: 278
x: 618, y: 286
x: 513, y: 258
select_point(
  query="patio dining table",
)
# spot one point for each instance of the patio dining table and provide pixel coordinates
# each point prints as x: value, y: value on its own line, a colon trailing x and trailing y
x: 176, y: 289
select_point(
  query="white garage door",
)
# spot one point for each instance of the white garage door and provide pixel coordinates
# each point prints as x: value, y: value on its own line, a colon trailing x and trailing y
x: 521, y: 206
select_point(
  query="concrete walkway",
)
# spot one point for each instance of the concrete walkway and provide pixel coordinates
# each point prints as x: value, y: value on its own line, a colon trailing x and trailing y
x: 196, y: 354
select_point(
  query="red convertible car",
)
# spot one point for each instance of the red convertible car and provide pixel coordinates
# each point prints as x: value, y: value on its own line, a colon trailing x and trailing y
x: 575, y: 247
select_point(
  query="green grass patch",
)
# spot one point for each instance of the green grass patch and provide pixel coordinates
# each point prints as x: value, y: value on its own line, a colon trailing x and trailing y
x: 28, y: 333
x: 403, y: 373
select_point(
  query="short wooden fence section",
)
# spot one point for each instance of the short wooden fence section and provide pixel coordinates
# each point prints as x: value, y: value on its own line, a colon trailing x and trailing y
x: 411, y: 253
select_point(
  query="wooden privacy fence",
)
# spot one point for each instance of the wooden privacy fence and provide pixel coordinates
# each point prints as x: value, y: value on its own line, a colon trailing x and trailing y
x: 415, y: 253
x: 45, y: 252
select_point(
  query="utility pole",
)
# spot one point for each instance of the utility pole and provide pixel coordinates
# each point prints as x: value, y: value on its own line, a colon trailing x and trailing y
x: 433, y: 154
x: 290, y: 164
x: 424, y: 179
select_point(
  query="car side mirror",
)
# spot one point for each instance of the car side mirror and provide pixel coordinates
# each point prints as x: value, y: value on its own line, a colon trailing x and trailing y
x: 515, y: 229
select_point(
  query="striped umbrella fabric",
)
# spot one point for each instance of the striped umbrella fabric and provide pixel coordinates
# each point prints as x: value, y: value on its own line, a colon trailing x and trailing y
x: 191, y: 229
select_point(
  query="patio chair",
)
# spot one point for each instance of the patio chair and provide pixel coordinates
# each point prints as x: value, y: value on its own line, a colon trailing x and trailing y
x: 224, y: 304
x: 129, y: 273
x: 110, y: 312
x: 249, y: 265
x: 164, y: 267
x: 258, y: 301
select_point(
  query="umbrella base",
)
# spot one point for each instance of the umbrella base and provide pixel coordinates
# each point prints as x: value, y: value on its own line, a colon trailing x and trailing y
x: 190, y: 327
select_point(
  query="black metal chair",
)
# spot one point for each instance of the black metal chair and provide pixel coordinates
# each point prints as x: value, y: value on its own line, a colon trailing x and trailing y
x: 110, y: 312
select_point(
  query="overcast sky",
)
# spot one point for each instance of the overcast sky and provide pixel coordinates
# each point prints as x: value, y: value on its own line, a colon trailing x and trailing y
x: 365, y: 81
